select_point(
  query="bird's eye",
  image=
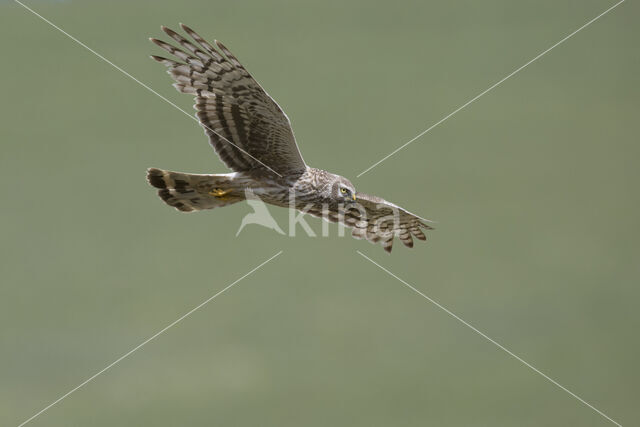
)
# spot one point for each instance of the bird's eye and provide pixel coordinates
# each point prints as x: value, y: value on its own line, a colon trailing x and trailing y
x: 343, y: 190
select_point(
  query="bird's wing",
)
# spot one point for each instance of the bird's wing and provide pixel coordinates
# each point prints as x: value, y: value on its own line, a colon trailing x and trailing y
x: 379, y: 221
x: 245, y: 126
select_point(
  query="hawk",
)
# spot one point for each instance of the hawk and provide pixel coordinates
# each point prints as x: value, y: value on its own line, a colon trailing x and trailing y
x: 253, y: 137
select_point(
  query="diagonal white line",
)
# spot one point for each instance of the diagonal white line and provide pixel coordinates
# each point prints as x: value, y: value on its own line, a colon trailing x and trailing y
x: 139, y: 82
x: 160, y: 332
x: 491, y: 340
x: 489, y: 88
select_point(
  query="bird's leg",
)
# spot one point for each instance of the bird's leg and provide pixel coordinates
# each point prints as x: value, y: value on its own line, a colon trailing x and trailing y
x: 219, y: 192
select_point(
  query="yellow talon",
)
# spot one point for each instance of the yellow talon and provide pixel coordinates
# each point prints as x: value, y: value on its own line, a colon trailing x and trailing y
x: 219, y: 192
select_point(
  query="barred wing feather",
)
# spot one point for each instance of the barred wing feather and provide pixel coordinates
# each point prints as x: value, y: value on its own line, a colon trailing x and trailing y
x: 245, y: 126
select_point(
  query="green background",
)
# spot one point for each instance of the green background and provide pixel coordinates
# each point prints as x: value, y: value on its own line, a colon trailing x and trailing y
x: 534, y: 188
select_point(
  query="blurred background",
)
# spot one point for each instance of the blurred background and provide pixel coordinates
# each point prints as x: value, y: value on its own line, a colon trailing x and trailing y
x: 534, y: 188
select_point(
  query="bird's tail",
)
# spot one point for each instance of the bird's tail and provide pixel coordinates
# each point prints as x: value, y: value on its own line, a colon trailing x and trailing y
x: 192, y: 192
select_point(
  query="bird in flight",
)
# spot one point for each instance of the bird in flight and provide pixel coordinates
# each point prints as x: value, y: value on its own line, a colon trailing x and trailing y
x: 253, y: 137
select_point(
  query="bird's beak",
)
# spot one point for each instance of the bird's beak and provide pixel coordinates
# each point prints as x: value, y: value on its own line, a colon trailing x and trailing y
x: 354, y: 196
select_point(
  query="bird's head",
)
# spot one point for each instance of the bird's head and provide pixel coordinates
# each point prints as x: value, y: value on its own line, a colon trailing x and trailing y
x: 342, y: 190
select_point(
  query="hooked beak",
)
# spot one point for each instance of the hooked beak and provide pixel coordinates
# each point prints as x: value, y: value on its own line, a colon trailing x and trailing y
x: 354, y: 196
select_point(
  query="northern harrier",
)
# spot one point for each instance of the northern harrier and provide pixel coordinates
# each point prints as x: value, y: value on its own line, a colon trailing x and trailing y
x: 253, y: 137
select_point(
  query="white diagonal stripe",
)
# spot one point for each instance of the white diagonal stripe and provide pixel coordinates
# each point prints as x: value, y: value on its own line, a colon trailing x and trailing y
x: 160, y: 332
x: 139, y: 82
x: 491, y: 340
x: 489, y: 88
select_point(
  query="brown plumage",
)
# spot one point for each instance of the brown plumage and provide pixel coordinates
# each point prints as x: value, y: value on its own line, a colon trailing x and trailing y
x: 253, y: 137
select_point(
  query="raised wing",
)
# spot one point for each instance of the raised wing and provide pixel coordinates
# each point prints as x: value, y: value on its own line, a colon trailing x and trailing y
x: 379, y: 221
x: 245, y: 126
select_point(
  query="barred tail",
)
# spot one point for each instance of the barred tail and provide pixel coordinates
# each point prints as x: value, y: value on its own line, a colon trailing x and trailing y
x: 192, y: 192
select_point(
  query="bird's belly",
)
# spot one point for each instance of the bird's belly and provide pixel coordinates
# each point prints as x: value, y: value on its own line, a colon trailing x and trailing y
x: 271, y: 193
